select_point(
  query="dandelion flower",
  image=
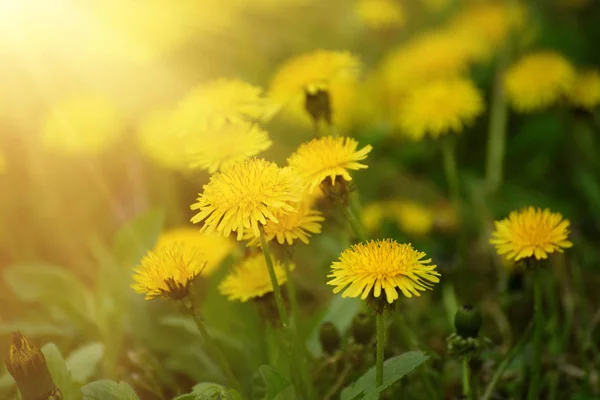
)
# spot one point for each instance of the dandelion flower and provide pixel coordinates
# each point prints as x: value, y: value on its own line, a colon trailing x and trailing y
x: 538, y: 81
x: 382, y: 265
x: 379, y: 14
x: 246, y: 195
x: 372, y: 215
x: 81, y: 125
x: 167, y: 272
x: 159, y: 140
x: 194, y: 244
x: 251, y: 279
x: 531, y: 232
x: 233, y: 142
x: 439, y: 107
x: 413, y: 218
x: 299, y: 225
x: 327, y: 157
x: 585, y: 92
x: 214, y: 103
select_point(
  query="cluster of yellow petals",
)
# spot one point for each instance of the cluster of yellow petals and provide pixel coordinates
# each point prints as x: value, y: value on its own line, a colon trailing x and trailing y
x: 250, y: 279
x: 246, y: 195
x: 531, y: 232
x: 585, y: 92
x: 327, y: 157
x: 412, y: 217
x: 383, y: 265
x: 380, y: 14
x: 159, y: 140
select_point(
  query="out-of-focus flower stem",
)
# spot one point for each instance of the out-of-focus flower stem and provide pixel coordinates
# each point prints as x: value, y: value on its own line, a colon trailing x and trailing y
x: 466, y: 380
x: 538, y: 329
x: 353, y: 217
x: 380, y: 348
x: 450, y: 168
x: 283, y: 315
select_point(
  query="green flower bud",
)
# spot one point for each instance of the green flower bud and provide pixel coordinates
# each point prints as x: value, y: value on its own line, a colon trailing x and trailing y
x: 363, y: 328
x: 330, y: 337
x: 467, y: 321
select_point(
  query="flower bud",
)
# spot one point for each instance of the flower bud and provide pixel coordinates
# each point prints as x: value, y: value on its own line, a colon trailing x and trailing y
x: 318, y: 105
x: 363, y: 328
x: 27, y: 365
x: 330, y: 337
x: 467, y: 321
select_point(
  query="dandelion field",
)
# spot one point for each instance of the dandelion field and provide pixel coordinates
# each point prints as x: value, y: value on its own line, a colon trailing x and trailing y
x: 294, y: 199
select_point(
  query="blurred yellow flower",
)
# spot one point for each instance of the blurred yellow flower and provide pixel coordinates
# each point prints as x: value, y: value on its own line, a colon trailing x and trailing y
x: 531, y: 232
x: 412, y: 217
x: 327, y: 157
x: 250, y: 279
x: 194, y: 244
x: 439, y: 107
x: 167, y: 272
x: 372, y: 215
x: 299, y: 225
x: 538, y: 80
x: 214, y: 103
x: 81, y: 125
x: 585, y: 92
x: 159, y: 140
x: 379, y: 14
x: 245, y: 195
x: 435, y: 5
x: 217, y: 148
x: 382, y: 265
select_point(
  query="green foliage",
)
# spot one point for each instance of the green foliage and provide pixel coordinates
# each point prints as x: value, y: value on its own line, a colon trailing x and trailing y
x: 83, y: 362
x: 277, y: 386
x: 393, y: 369
x: 60, y: 372
x: 138, y: 236
x: 108, y: 390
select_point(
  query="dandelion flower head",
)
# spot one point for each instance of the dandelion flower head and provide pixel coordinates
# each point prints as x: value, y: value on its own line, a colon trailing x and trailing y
x: 167, y: 272
x: 82, y: 125
x: 327, y: 157
x: 245, y: 195
x: 538, y: 81
x: 585, y: 92
x: 217, y: 148
x: 382, y: 265
x: 439, y: 107
x: 378, y: 14
x: 373, y: 214
x: 531, y: 232
x: 194, y: 244
x: 412, y: 217
x: 250, y: 279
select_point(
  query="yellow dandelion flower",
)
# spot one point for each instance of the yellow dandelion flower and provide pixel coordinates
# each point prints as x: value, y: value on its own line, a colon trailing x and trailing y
x: 432, y: 55
x: 194, y: 244
x: 412, y: 217
x: 382, y: 264
x: 372, y: 215
x: 158, y: 140
x: 538, y: 81
x: 167, y: 272
x: 218, y: 148
x: 246, y: 195
x: 81, y: 125
x: 214, y: 103
x: 379, y: 14
x: 251, y: 279
x: 585, y: 92
x: 299, y: 225
x: 326, y: 157
x: 439, y: 107
x: 531, y: 232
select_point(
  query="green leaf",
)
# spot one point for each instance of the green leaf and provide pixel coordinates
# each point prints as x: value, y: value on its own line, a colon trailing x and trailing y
x: 136, y: 237
x: 275, y: 383
x: 50, y: 285
x: 59, y: 372
x: 393, y: 369
x: 108, y: 390
x: 83, y: 362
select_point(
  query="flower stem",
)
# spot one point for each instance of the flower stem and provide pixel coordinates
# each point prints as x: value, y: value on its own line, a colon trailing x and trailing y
x: 214, y: 349
x: 538, y: 330
x: 353, y: 217
x: 380, y: 348
x: 466, y: 381
x: 450, y: 168
x: 276, y: 289
x: 291, y: 287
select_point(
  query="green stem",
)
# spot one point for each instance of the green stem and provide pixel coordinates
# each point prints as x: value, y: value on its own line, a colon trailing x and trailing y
x: 505, y: 363
x: 291, y: 287
x: 380, y: 348
x: 450, y: 168
x: 497, y: 127
x: 214, y: 349
x: 466, y: 381
x: 537, y: 336
x: 353, y: 217
x: 276, y: 289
